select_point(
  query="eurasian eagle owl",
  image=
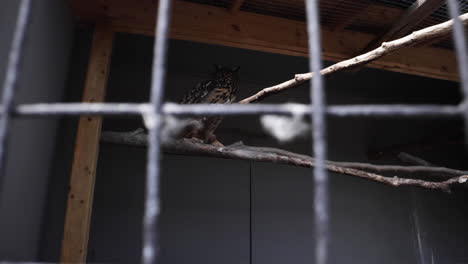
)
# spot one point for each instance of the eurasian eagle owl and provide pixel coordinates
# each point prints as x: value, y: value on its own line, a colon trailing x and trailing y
x: 221, y: 89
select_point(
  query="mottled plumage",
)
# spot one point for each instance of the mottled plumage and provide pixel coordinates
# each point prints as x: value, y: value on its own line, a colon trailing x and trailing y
x: 221, y: 89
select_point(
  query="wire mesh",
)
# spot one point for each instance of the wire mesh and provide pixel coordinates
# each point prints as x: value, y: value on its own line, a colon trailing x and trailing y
x: 368, y: 16
x: 442, y: 15
x: 155, y: 109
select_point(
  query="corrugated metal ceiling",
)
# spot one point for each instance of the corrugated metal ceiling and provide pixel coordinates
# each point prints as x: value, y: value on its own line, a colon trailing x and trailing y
x: 370, y: 16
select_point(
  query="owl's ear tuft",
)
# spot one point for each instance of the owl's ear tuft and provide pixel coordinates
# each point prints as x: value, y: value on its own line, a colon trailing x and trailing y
x: 236, y: 69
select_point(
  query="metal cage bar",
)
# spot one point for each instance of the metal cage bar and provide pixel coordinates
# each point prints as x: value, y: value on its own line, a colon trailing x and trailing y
x: 318, y: 112
x: 112, y: 109
x: 11, y: 82
x: 459, y: 38
x: 150, y: 253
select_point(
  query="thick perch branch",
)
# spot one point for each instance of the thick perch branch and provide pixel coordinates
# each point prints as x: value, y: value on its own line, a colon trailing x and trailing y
x: 385, y: 48
x: 263, y: 154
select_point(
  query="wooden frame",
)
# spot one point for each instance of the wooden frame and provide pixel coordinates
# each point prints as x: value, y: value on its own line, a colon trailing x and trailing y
x: 83, y: 173
x: 214, y: 25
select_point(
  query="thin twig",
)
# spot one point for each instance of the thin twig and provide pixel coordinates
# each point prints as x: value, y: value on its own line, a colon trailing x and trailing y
x: 439, y: 171
x: 273, y: 155
x: 385, y: 48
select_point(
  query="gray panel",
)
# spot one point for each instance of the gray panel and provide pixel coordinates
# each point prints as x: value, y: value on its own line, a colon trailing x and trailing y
x: 442, y: 219
x: 205, y: 211
x: 361, y: 233
x: 370, y: 222
x: 118, y: 205
x: 31, y: 144
x: 205, y: 208
x: 282, y: 215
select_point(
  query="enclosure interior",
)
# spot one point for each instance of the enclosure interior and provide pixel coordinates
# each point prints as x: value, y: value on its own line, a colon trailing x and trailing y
x: 229, y: 211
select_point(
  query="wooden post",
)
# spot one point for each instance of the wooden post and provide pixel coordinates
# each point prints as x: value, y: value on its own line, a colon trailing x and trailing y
x: 83, y: 173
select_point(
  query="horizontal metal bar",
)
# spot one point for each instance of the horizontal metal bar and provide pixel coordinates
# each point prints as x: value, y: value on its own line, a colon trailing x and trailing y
x: 396, y: 110
x: 81, y: 109
x: 237, y: 109
x: 302, y: 109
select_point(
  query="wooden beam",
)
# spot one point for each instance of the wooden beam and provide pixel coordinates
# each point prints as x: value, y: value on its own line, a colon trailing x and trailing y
x: 83, y: 172
x: 213, y: 25
x: 416, y: 13
x: 236, y: 6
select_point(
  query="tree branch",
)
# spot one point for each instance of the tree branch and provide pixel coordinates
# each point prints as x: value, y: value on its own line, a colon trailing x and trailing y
x: 385, y: 48
x: 273, y: 155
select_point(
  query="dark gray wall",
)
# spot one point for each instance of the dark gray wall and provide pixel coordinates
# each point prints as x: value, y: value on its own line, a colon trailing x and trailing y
x: 32, y: 141
x: 226, y: 211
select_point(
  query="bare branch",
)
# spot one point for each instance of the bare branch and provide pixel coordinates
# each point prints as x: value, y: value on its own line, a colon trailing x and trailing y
x: 437, y: 171
x: 273, y: 155
x: 385, y: 48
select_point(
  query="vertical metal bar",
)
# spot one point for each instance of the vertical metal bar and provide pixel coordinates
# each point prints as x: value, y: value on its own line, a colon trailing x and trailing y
x: 11, y: 81
x: 459, y: 39
x: 150, y: 251
x: 251, y: 202
x: 318, y: 133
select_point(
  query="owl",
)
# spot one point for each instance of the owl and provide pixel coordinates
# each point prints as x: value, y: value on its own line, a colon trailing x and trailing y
x: 221, y: 89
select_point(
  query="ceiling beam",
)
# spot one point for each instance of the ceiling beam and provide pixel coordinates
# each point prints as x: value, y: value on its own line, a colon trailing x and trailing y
x: 213, y: 25
x: 415, y: 14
